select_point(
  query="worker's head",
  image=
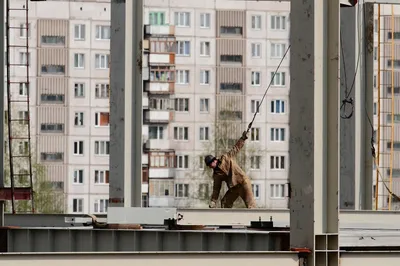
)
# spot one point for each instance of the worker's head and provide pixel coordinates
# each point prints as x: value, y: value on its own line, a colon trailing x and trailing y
x: 211, y: 161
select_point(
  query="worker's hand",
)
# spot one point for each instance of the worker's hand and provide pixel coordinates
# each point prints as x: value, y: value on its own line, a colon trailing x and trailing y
x: 212, y: 205
x: 245, y: 135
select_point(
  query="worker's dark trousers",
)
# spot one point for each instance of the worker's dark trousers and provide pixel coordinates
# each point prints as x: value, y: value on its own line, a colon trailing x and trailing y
x: 242, y: 190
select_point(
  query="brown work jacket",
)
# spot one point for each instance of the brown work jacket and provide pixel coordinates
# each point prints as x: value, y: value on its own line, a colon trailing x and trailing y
x: 228, y: 170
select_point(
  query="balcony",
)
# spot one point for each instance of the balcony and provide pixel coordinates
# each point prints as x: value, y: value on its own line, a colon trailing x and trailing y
x: 161, y: 59
x: 161, y: 30
x: 161, y: 172
x: 161, y: 201
x: 157, y: 144
x: 160, y: 87
x: 158, y: 116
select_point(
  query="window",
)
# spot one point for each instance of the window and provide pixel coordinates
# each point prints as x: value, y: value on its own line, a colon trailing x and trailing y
x: 52, y: 128
x: 183, y: 48
x: 101, y: 61
x: 182, y: 105
x: 278, y: 50
x: 396, y: 118
x: 78, y: 176
x: 103, y: 32
x: 204, y: 133
x: 101, y: 176
x: 254, y: 106
x: 375, y: 108
x: 23, y: 147
x: 205, y: 20
x: 156, y: 132
x: 255, y: 162
x: 161, y: 188
x: 204, y: 48
x: 161, y: 104
x: 52, y: 98
x: 256, y: 190
x: 204, y: 77
x: 182, y: 19
x: 396, y: 35
x: 78, y: 147
x: 24, y: 58
x: 204, y: 191
x: 100, y: 205
x: 277, y: 162
x: 157, y: 18
x: 23, y: 89
x: 78, y: 120
x: 277, y: 107
x: 182, y: 77
x: 51, y: 156
x: 79, y: 90
x: 230, y: 87
x: 80, y: 32
x: 201, y: 162
x: 256, y: 22
x: 279, y: 79
x: 396, y: 90
x: 53, y: 69
x: 102, y: 91
x: 277, y: 191
x: 181, y: 133
x: 255, y: 78
x: 102, y: 147
x: 231, y: 30
x: 231, y: 59
x: 182, y: 161
x: 102, y: 119
x: 204, y: 105
x: 24, y: 31
x: 77, y: 205
x: 278, y: 22
x: 277, y: 134
x: 79, y: 60
x: 53, y: 40
x: 255, y: 134
x: 396, y: 63
x: 23, y: 116
x: 256, y: 50
x: 181, y: 190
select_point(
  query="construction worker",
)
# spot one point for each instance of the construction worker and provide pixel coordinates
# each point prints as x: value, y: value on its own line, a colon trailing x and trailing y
x: 226, y: 169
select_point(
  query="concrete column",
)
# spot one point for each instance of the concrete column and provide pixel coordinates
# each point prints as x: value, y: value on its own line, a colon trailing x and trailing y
x: 314, y: 117
x: 126, y: 104
x: 2, y: 82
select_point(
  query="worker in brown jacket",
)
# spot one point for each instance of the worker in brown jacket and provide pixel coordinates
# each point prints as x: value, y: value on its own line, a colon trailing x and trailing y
x: 226, y: 169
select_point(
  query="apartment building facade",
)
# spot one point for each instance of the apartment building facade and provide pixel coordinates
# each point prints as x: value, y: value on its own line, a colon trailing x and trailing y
x: 207, y: 65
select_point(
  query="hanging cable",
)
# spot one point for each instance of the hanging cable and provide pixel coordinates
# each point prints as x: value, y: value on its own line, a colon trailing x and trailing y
x: 265, y: 93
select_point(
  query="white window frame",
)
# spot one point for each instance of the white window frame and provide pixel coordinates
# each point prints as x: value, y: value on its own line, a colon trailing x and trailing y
x: 256, y: 78
x: 101, y: 61
x: 204, y: 77
x: 277, y: 134
x: 255, y: 162
x: 255, y: 134
x: 102, y: 147
x: 79, y: 60
x: 256, y: 188
x: 277, y: 50
x: 182, y: 19
x: 159, y: 132
x: 79, y: 116
x: 204, y: 105
x: 100, y: 205
x: 79, y: 147
x: 182, y: 105
x: 256, y: 50
x: 274, y: 108
x: 278, y: 22
x: 23, y: 89
x: 101, y: 177
x: 78, y: 177
x: 97, y: 119
x: 277, y: 191
x: 204, y: 133
x: 277, y: 159
x: 23, y: 30
x: 101, y: 32
x: 23, y: 116
x: 182, y: 77
x: 205, y: 20
x: 205, y: 48
x: 102, y: 91
x: 79, y: 205
x: 181, y: 190
x: 256, y: 22
x: 182, y: 161
x: 183, y: 48
x: 180, y: 132
x: 279, y: 79
x: 79, y: 32
x: 79, y: 90
x: 253, y: 106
